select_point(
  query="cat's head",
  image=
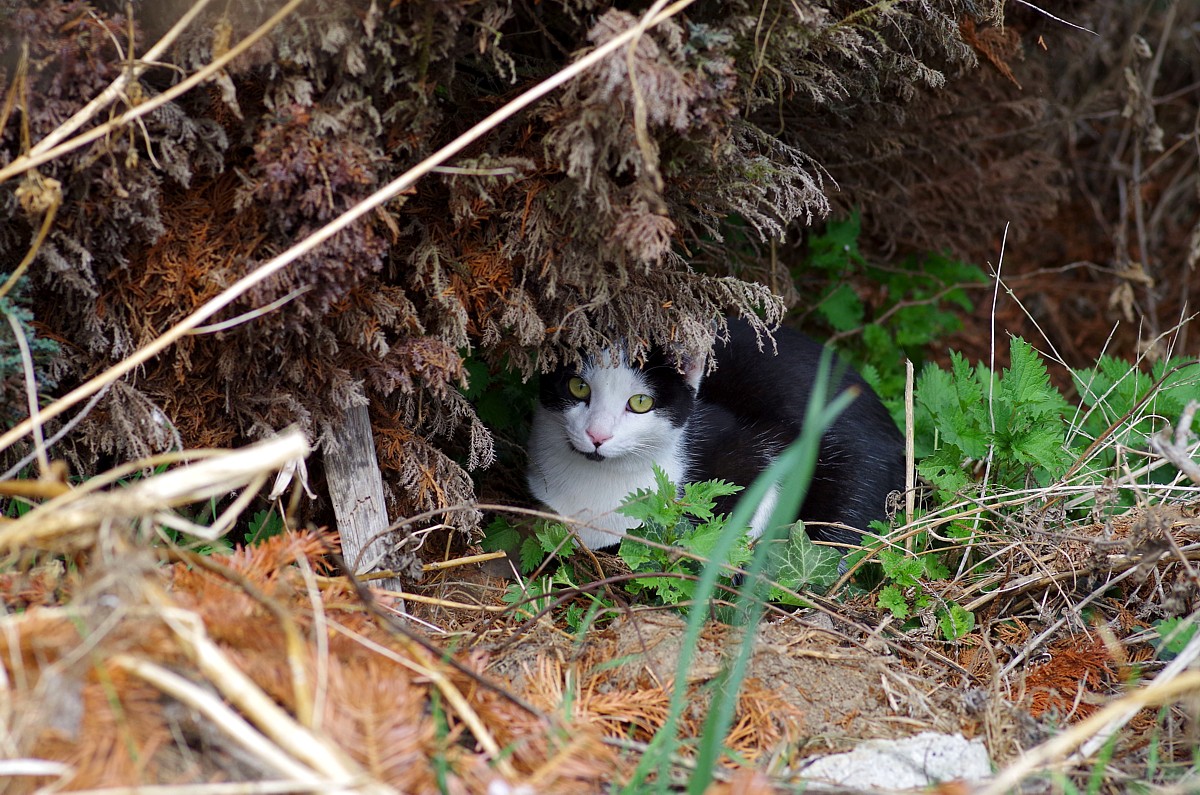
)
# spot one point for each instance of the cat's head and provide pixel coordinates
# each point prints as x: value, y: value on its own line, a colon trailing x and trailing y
x: 613, y: 410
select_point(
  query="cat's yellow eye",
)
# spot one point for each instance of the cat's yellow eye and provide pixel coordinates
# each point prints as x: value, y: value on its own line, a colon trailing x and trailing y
x: 640, y: 404
x: 579, y: 388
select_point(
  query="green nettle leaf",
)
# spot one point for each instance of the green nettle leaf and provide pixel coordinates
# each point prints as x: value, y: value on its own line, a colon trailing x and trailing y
x: 877, y: 339
x: 671, y: 590
x: 641, y: 505
x: 1025, y: 382
x: 1042, y: 445
x: 934, y: 568
x: 955, y: 622
x: 635, y: 553
x: 500, y: 536
x: 699, y: 499
x: 574, y: 616
x: 703, y: 537
x: 944, y: 469
x: 842, y: 308
x: 660, y: 505
x: 900, y: 567
x: 677, y: 520
x: 892, y: 598
x: 555, y: 538
x: 531, y: 555
x: 837, y: 249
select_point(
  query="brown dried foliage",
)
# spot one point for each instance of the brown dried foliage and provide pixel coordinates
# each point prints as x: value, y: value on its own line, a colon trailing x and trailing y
x: 75, y: 705
x: 570, y: 224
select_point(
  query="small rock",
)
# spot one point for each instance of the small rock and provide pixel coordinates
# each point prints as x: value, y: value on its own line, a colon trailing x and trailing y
x: 920, y: 761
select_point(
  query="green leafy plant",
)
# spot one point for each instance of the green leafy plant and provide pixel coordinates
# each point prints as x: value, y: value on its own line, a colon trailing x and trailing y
x: 680, y: 522
x: 916, y: 303
x: 1014, y: 421
x: 263, y: 525
x: 798, y: 563
x: 500, y: 396
x: 541, y: 593
x: 1173, y: 635
x: 1133, y: 404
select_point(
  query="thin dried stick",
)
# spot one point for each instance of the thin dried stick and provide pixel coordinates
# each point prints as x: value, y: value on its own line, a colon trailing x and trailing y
x: 39, y: 441
x: 211, y: 706
x: 372, y: 202
x: 438, y: 565
x: 1057, y: 19
x: 1177, y: 451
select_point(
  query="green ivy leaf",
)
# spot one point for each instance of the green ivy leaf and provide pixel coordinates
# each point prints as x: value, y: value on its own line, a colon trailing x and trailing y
x: 555, y: 538
x: 802, y: 564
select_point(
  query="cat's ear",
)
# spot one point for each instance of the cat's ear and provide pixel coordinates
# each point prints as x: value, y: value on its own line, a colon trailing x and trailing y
x: 693, y: 368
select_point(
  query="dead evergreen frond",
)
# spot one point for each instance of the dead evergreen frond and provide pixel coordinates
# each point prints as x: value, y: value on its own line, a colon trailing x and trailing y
x: 562, y: 228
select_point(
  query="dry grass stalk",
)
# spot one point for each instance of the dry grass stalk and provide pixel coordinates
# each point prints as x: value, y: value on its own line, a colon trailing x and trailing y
x: 66, y: 521
x: 1053, y: 751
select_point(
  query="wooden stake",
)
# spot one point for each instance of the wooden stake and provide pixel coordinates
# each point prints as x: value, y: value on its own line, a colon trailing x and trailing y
x: 356, y: 489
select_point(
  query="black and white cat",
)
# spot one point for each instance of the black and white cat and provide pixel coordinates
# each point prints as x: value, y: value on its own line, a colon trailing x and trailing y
x: 598, y: 430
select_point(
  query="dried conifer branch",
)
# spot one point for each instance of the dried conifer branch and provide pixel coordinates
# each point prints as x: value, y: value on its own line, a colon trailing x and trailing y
x: 1155, y: 694
x: 59, y: 434
x: 301, y: 693
x: 232, y: 724
x: 640, y: 125
x: 32, y: 160
x: 452, y: 694
x: 38, y: 194
x: 117, y: 88
x: 1185, y: 659
x: 372, y: 202
x: 281, y: 727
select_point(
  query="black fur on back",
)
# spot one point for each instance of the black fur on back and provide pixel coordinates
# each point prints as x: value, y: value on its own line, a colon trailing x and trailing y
x: 752, y: 406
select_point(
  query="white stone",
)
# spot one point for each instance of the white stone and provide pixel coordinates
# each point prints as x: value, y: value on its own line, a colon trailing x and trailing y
x: 920, y: 761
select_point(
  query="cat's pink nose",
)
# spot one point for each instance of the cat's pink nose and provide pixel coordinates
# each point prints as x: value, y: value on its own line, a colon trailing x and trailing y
x: 598, y: 437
